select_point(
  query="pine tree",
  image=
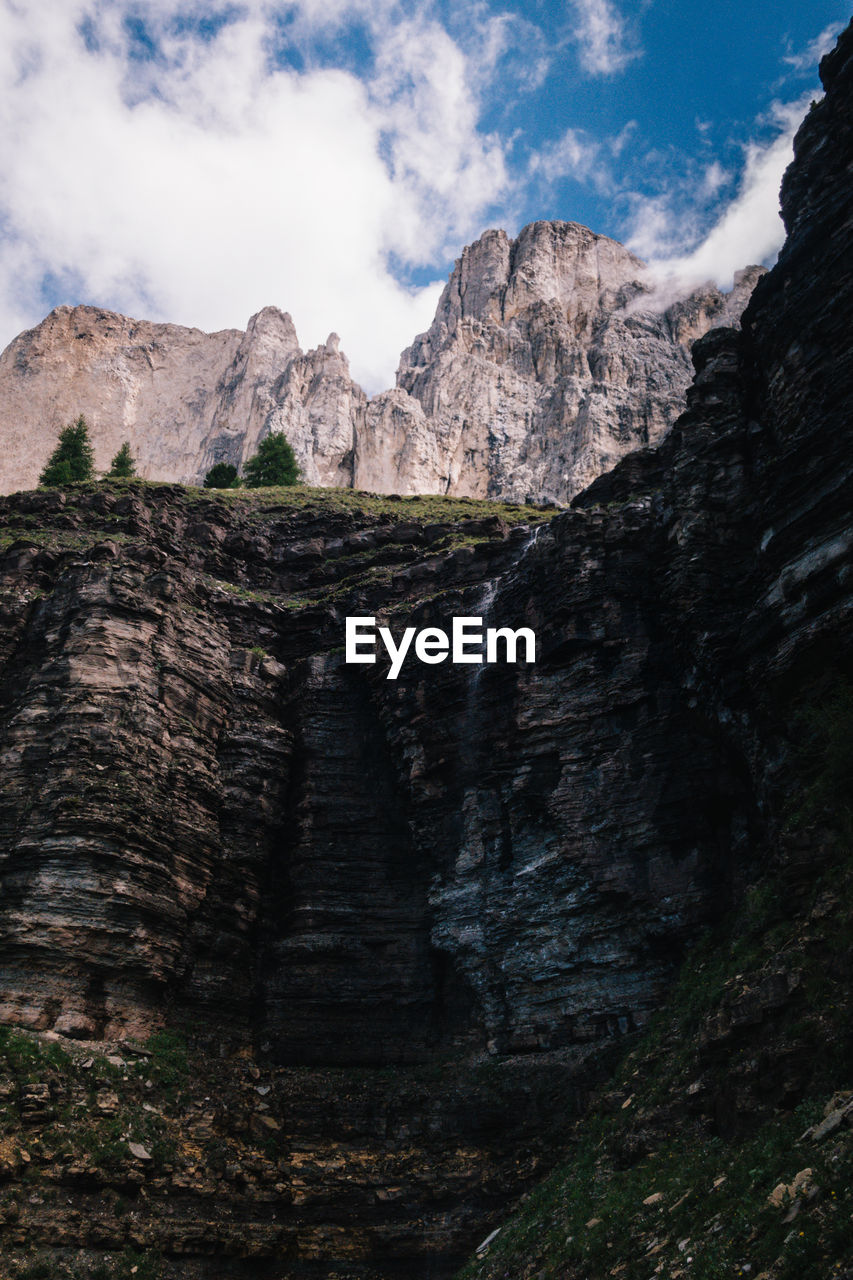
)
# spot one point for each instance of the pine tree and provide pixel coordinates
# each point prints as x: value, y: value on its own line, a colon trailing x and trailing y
x: 123, y: 464
x: 222, y: 475
x: 73, y: 459
x: 273, y: 464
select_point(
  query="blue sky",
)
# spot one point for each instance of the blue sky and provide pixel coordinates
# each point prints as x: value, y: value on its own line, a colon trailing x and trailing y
x: 195, y: 162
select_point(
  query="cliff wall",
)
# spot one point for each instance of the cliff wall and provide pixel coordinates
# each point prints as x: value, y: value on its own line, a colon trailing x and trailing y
x: 209, y: 819
x: 252, y: 822
x: 182, y: 398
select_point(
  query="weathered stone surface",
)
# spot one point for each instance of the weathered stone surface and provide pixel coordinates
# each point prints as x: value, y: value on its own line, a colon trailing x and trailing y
x: 147, y: 766
x: 203, y: 803
x: 206, y: 813
x: 377, y: 1175
x: 538, y: 373
x: 548, y: 360
x: 182, y: 398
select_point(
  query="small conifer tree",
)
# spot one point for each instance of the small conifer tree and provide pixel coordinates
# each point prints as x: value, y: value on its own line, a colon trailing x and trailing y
x: 73, y: 459
x: 123, y: 464
x: 274, y: 463
x: 222, y: 475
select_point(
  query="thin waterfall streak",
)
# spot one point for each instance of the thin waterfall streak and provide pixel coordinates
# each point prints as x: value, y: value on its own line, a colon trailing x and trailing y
x: 485, y: 607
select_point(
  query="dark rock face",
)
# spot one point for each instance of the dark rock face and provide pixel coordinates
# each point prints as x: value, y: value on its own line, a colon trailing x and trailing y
x: 157, y: 673
x: 754, y: 485
x: 246, y: 1170
x: 193, y: 790
x: 206, y: 813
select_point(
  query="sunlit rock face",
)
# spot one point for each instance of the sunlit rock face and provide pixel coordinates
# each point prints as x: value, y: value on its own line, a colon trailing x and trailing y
x: 182, y: 398
x: 549, y: 358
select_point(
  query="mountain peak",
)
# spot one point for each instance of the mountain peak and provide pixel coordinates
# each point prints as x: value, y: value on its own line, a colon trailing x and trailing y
x: 537, y: 373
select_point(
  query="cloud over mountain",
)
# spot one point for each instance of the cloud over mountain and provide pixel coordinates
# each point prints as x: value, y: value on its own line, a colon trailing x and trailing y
x: 189, y: 162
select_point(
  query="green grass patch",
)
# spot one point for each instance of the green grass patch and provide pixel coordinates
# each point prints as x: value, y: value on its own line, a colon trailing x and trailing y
x: 823, y: 758
x: 709, y: 1206
x: 425, y: 508
x: 27, y: 1058
x: 710, y: 1216
x: 130, y: 1264
x: 169, y: 1064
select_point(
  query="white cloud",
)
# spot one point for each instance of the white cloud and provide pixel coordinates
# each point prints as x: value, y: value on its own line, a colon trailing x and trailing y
x: 805, y: 61
x: 748, y: 230
x: 602, y: 34
x: 714, y: 179
x: 584, y: 159
x: 574, y: 155
x: 430, y: 122
x: 507, y: 45
x: 204, y: 184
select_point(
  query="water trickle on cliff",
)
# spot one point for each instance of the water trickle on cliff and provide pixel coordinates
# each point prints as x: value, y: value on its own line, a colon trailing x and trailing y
x: 529, y: 544
x: 485, y: 609
x: 472, y: 725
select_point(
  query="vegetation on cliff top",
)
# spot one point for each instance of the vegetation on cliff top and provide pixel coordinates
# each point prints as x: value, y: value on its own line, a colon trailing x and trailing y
x: 274, y: 463
x: 222, y: 475
x: 123, y: 465
x: 421, y: 508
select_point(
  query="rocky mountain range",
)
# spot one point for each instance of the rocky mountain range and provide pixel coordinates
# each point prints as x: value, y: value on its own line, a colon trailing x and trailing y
x: 546, y: 362
x: 309, y: 971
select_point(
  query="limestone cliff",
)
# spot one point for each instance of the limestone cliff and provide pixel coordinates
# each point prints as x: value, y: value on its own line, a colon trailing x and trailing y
x: 184, y: 399
x: 540, y: 370
x: 547, y: 361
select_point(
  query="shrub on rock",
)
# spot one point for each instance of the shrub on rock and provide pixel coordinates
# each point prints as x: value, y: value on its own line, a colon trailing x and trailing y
x: 222, y: 475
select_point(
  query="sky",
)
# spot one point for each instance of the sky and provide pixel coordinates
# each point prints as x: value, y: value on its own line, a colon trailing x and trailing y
x: 194, y: 162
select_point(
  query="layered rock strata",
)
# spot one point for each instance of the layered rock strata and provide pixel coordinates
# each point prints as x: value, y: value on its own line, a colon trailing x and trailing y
x: 207, y: 814
x: 194, y: 1165
x: 209, y: 819
x: 295, y: 844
